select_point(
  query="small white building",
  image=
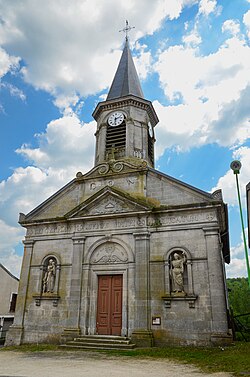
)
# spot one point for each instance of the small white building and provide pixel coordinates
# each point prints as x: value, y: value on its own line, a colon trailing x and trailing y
x: 8, y: 294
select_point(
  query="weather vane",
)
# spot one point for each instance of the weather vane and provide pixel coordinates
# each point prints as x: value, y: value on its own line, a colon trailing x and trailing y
x: 127, y: 29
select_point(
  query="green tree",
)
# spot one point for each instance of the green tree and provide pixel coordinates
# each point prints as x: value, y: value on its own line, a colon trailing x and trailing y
x: 239, y: 302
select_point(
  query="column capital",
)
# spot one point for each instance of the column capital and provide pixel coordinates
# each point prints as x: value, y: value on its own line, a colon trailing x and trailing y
x: 79, y: 239
x: 141, y: 235
x: 28, y: 243
x: 211, y: 231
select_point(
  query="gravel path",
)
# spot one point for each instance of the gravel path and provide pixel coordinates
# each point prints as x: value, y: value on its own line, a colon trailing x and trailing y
x: 90, y: 364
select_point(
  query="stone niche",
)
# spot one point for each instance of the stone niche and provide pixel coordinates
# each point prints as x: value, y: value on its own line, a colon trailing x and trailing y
x: 48, y: 280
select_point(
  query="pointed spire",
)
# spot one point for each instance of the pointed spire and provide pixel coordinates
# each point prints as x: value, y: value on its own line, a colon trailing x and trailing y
x: 126, y: 80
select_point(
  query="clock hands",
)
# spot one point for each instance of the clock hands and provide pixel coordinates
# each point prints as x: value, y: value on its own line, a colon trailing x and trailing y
x: 115, y: 119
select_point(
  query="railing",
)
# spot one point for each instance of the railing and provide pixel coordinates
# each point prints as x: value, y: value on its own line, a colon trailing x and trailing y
x: 241, y: 326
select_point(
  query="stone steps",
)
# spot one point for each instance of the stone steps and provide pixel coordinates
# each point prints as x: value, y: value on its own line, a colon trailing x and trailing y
x: 100, y: 342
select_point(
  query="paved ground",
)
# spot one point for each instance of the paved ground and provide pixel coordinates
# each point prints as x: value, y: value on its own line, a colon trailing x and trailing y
x: 90, y: 364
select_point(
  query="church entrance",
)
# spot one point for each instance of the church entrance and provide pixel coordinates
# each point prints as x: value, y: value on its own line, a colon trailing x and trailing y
x: 109, y: 305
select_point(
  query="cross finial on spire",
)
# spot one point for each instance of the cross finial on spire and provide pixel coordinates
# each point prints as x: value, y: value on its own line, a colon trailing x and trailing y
x: 127, y: 29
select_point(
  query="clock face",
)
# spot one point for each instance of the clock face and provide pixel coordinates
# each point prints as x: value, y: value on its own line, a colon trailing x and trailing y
x: 115, y: 119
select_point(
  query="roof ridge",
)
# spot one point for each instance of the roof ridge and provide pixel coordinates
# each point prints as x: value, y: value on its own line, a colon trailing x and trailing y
x: 8, y: 272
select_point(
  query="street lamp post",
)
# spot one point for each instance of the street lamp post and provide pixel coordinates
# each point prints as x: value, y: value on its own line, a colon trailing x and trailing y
x: 236, y: 166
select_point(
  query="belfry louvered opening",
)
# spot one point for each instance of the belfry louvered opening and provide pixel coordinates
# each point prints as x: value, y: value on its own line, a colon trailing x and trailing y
x: 116, y: 140
x: 151, y: 148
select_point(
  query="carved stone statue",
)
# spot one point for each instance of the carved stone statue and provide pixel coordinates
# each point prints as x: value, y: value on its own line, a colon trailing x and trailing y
x: 49, y: 277
x: 177, y: 271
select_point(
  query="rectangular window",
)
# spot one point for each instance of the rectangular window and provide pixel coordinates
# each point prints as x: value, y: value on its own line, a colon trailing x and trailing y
x: 13, y: 302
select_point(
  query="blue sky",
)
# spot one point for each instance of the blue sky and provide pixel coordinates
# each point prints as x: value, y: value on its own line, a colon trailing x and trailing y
x: 57, y: 61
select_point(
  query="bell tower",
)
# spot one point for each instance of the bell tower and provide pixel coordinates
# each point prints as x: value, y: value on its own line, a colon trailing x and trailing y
x: 126, y: 120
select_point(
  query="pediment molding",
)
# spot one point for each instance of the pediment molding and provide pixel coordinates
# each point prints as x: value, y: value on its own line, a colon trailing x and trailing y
x: 113, y: 167
x: 107, y: 201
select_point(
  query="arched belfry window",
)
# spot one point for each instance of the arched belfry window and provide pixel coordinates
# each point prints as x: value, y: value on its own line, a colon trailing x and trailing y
x: 116, y: 136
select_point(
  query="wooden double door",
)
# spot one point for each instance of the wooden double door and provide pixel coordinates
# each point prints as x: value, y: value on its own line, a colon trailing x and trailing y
x: 109, y: 305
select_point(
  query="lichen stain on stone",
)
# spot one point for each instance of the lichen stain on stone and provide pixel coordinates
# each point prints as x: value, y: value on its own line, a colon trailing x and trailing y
x: 157, y: 258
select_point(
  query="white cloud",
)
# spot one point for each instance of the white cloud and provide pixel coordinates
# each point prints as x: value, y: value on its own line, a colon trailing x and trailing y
x: 228, y: 184
x: 207, y: 6
x: 10, y: 237
x: 21, y: 192
x: 211, y: 92
x: 232, y: 127
x: 64, y: 149
x: 184, y: 71
x: 67, y: 143
x: 66, y: 102
x: 63, y: 53
x: 180, y: 126
x: 8, y: 232
x: 231, y: 26
x: 192, y: 39
x: 246, y: 21
x: 143, y: 62
x: 237, y: 266
x: 13, y: 90
x: 7, y: 62
x: 165, y: 8
x: 12, y: 261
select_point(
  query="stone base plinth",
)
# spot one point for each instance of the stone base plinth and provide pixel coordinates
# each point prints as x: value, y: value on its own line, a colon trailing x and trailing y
x: 69, y: 334
x: 14, y: 336
x: 142, y: 338
x: 221, y: 339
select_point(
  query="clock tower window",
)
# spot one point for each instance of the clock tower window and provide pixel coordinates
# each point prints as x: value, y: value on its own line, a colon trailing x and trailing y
x: 151, y: 148
x: 116, y: 136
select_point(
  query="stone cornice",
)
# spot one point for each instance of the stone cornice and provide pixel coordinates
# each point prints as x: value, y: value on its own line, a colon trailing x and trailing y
x: 127, y: 101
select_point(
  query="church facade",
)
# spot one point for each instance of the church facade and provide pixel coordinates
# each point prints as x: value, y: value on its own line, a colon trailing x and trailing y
x: 125, y: 249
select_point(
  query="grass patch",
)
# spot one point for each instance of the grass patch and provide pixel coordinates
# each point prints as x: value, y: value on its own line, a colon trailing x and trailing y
x: 31, y: 348
x: 234, y: 359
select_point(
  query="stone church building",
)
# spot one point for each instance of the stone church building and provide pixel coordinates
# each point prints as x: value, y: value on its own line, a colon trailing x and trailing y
x: 124, y: 249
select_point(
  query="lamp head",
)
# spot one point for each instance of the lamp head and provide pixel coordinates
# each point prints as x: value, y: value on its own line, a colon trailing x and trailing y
x: 235, y: 166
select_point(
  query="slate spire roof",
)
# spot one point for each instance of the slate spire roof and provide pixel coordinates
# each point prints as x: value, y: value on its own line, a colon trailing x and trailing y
x: 126, y: 80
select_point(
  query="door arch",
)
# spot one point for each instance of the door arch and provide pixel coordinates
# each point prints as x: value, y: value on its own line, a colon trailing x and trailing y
x: 114, y: 258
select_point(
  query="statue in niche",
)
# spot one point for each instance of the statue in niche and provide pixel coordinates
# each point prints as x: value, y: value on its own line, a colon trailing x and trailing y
x: 177, y: 271
x: 49, y: 277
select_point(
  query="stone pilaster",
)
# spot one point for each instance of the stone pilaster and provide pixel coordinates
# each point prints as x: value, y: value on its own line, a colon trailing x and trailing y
x: 142, y: 335
x: 76, y: 283
x: 15, y: 333
x: 130, y: 138
x: 101, y: 143
x: 219, y: 324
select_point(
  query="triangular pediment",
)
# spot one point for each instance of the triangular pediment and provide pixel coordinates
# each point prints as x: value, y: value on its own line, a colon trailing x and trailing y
x: 107, y: 201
